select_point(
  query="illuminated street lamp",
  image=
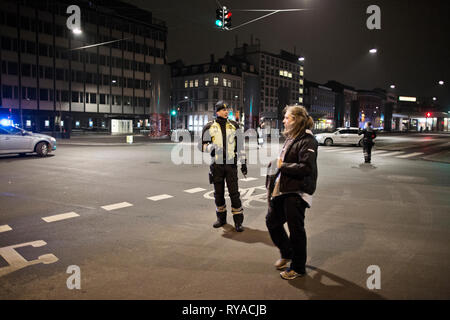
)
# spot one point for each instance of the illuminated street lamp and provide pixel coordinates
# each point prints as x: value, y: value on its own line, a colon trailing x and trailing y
x: 392, y: 86
x: 434, y: 98
x: 301, y: 59
x: 373, y: 50
x: 441, y: 83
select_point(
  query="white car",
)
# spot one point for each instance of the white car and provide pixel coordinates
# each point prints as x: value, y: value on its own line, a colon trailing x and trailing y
x: 340, y: 136
x: 16, y: 140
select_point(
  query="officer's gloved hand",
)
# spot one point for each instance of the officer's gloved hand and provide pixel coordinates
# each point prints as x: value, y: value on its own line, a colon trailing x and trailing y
x: 244, y: 169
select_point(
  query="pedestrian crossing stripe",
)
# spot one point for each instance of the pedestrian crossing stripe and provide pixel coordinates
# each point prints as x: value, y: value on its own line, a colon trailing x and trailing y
x: 379, y: 151
x: 194, y: 190
x: 249, y: 179
x: 160, y: 197
x: 391, y: 153
x: 410, y: 155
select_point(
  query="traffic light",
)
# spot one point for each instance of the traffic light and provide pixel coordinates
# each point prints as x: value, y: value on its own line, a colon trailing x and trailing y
x: 227, y: 19
x: 219, y: 18
x: 428, y: 114
x: 173, y: 112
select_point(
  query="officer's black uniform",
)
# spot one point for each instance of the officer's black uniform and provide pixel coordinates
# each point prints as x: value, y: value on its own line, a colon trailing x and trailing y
x: 369, y: 135
x: 224, y: 140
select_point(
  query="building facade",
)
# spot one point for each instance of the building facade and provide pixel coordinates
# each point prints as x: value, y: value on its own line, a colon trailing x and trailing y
x: 49, y: 84
x: 320, y: 102
x: 282, y: 80
x: 197, y: 88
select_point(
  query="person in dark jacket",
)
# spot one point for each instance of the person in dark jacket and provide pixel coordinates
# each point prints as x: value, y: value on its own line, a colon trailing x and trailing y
x: 290, y: 191
x: 369, y: 136
x: 223, y: 139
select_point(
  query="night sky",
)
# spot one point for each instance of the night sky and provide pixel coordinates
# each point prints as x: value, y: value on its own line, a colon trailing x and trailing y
x: 413, y: 43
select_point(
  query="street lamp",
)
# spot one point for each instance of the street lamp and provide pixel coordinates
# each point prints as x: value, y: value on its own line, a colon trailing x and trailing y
x: 301, y: 59
x: 392, y: 86
x: 441, y: 83
x: 434, y: 98
x: 77, y: 31
x: 373, y: 50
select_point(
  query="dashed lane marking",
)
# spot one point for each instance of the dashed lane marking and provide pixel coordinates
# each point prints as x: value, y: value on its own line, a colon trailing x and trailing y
x: 160, y: 197
x: 116, y: 206
x: 5, y: 228
x: 410, y: 155
x: 194, y: 190
x: 60, y: 217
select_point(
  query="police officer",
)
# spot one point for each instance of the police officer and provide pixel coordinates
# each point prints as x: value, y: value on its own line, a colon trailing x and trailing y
x: 369, y: 136
x: 224, y: 140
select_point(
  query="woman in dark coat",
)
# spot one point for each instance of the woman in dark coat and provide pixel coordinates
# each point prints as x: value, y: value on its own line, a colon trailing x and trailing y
x: 290, y: 191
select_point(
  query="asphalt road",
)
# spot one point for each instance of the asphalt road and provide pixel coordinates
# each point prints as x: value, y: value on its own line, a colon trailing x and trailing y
x: 140, y: 227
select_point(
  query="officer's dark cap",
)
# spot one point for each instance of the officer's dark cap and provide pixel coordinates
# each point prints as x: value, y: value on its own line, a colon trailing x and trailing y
x: 220, y: 105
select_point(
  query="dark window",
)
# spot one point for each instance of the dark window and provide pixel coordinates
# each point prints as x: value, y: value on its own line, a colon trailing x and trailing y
x: 7, y: 92
x: 43, y: 94
x: 26, y: 70
x: 12, y: 68
x: 24, y: 23
x: 11, y: 20
x: 43, y: 49
x: 102, y: 99
x: 65, y: 96
x: 4, y: 69
x: 48, y: 73
x: 74, y: 96
x: 93, y: 98
x: 6, y: 43
x: 31, y: 47
x: 60, y: 74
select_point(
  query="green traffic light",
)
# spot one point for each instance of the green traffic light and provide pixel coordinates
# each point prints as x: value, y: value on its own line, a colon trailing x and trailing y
x: 219, y: 23
x: 174, y: 112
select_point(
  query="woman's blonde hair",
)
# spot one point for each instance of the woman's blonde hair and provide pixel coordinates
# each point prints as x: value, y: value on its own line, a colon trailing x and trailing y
x: 302, y: 121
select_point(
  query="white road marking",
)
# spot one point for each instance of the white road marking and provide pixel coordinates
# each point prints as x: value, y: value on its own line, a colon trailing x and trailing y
x: 194, y: 190
x: 410, y: 155
x: 160, y: 197
x: 352, y: 151
x: 329, y: 149
x: 116, y: 206
x: 379, y: 151
x: 391, y: 153
x: 60, y: 217
x: 16, y: 261
x: 249, y: 179
x: 5, y: 228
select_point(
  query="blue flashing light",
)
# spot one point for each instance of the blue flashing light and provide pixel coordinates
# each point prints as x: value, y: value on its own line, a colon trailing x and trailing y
x: 6, y: 122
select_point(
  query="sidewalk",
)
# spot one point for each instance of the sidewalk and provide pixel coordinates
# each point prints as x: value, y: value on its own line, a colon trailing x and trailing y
x: 109, y: 140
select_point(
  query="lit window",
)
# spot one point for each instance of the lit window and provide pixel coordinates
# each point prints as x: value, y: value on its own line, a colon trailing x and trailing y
x: 300, y: 90
x: 216, y: 81
x: 224, y: 82
x: 186, y: 84
x: 301, y: 73
x: 285, y: 73
x: 207, y: 82
x: 229, y: 83
x: 196, y: 83
x: 301, y: 81
x: 281, y: 72
x: 191, y: 83
x: 290, y: 74
x: 300, y: 100
x: 224, y: 68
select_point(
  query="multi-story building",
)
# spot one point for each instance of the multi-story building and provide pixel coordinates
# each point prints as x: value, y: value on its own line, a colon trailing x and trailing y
x: 320, y: 103
x: 55, y: 80
x: 371, y: 107
x: 282, y: 80
x: 197, y: 88
x: 344, y: 96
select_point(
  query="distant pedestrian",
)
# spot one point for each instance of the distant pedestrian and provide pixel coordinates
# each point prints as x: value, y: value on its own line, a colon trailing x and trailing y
x: 290, y: 191
x: 260, y: 133
x: 369, y: 135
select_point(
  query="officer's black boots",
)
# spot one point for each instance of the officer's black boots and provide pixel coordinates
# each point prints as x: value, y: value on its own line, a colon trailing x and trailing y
x: 221, y: 219
x: 238, y: 219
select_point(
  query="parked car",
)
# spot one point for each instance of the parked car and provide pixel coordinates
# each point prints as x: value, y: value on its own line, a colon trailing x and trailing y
x: 16, y: 140
x: 340, y: 136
